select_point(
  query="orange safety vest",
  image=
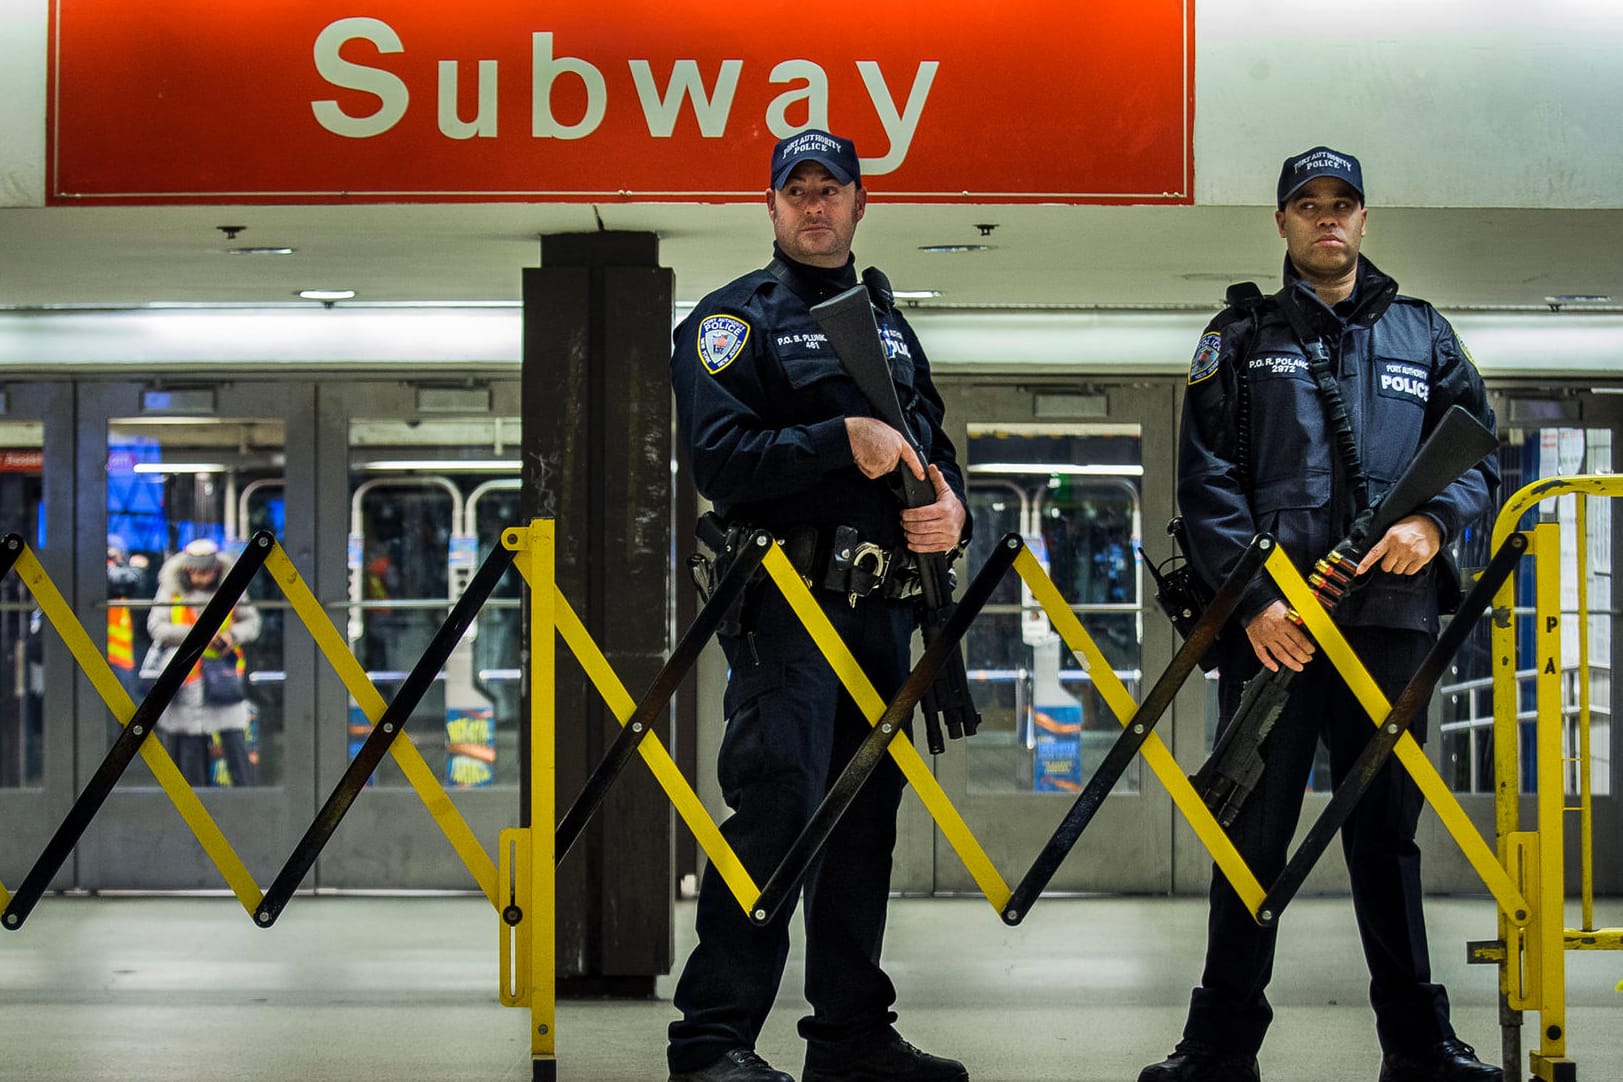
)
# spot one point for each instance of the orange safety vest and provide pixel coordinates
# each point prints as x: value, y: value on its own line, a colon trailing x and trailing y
x: 186, y: 614
x: 120, y: 637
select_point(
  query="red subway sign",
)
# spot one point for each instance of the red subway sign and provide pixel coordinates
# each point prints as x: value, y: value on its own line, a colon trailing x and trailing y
x: 305, y: 101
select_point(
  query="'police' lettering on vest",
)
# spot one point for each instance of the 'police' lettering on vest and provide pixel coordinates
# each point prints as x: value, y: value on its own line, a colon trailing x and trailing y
x: 894, y: 344
x: 1399, y: 379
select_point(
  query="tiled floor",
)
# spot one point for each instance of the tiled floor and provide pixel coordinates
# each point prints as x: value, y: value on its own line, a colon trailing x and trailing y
x: 358, y: 988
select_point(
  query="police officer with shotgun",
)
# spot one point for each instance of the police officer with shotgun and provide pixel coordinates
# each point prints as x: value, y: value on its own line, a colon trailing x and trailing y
x: 1303, y: 408
x: 780, y: 437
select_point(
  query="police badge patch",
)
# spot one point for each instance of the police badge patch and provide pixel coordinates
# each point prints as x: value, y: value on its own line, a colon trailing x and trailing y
x: 721, y: 339
x: 1206, y: 355
x: 1464, y: 352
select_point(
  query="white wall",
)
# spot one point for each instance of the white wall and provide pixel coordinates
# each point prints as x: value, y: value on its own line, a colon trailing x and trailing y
x: 1527, y: 94
x: 22, y: 102
x: 1465, y: 103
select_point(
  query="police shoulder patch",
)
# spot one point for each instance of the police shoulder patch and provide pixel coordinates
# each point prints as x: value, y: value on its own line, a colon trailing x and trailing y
x: 721, y: 340
x: 1464, y: 352
x: 1206, y: 356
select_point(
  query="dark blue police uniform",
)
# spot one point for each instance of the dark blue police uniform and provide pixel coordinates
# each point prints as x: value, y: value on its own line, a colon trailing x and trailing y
x: 761, y: 400
x: 1257, y: 455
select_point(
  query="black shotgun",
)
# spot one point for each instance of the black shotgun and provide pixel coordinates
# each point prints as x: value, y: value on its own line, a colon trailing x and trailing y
x: 1227, y: 778
x: 848, y: 320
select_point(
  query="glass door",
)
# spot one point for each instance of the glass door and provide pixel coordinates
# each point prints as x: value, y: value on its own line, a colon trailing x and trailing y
x: 1544, y: 432
x: 1082, y: 475
x: 36, y: 670
x: 426, y: 478
x: 178, y: 477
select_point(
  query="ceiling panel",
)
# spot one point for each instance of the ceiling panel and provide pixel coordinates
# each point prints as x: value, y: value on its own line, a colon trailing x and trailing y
x: 1040, y: 257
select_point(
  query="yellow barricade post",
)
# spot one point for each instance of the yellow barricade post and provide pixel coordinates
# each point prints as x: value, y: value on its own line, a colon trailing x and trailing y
x: 534, y: 872
x: 1532, y: 964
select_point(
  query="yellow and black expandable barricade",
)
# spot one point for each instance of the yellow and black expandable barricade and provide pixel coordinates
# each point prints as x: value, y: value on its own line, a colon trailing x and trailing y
x: 519, y: 883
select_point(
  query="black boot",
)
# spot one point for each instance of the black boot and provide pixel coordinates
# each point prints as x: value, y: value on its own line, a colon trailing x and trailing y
x: 891, y: 1060
x: 1193, y: 1061
x: 1445, y: 1061
x: 739, y: 1065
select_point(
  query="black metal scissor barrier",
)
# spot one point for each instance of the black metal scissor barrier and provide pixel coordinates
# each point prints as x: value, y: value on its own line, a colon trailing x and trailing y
x: 890, y: 721
x: 11, y: 548
x: 1393, y: 739
x: 521, y: 886
x: 1137, y: 738
x: 1135, y: 732
x: 871, y: 752
x: 633, y: 731
x: 139, y: 726
x: 1411, y: 702
x: 530, y: 547
x: 1377, y: 751
x: 786, y: 877
x: 383, y: 734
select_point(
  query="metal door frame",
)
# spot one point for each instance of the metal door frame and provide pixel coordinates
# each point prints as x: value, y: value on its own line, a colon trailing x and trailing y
x: 1127, y: 848
x: 31, y: 820
x: 137, y: 841
x: 1537, y: 405
x: 388, y: 840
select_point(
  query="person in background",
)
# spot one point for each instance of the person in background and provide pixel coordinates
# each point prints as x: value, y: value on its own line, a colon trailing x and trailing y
x: 200, y: 714
x: 123, y: 582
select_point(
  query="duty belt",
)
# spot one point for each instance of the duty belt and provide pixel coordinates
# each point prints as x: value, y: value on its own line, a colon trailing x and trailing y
x: 838, y: 559
x: 842, y: 561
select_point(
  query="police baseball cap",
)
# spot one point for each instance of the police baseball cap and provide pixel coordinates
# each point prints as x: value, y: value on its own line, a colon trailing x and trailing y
x: 838, y: 155
x: 1315, y: 163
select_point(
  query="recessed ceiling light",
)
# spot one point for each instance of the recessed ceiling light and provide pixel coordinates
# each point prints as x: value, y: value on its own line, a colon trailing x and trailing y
x: 259, y: 251
x: 1578, y: 298
x: 179, y: 467
x: 955, y: 247
x: 326, y: 294
x: 474, y: 465
x: 915, y: 294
